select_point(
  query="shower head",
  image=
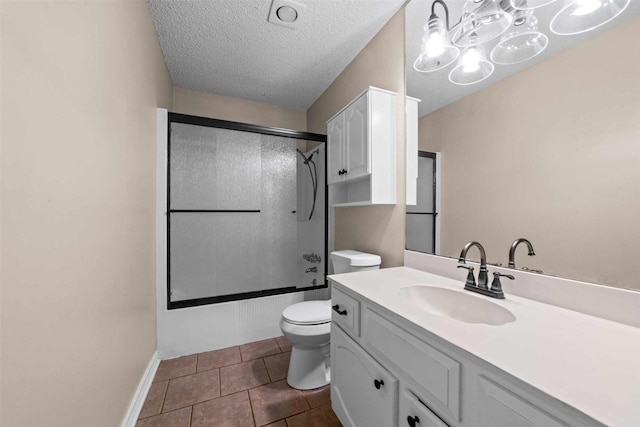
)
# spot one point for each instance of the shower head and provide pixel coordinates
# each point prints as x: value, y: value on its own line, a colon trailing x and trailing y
x: 306, y: 159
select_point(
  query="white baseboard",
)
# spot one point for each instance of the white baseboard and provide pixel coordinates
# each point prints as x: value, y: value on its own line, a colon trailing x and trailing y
x: 141, y: 393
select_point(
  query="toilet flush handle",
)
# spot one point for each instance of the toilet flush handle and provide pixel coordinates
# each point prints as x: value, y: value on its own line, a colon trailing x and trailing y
x: 336, y: 308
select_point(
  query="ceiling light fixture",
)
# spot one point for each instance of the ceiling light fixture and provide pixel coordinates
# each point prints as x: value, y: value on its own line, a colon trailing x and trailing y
x: 483, y: 21
x: 436, y: 50
x: 287, y: 14
x: 580, y: 16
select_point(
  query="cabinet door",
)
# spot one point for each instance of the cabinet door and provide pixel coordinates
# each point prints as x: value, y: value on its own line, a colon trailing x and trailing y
x: 335, y: 149
x: 500, y: 407
x: 357, y: 139
x: 363, y: 393
x: 414, y: 413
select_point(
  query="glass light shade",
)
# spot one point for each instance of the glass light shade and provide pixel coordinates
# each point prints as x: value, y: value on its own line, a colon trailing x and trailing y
x: 521, y: 42
x: 472, y: 67
x: 436, y: 51
x: 481, y: 22
x: 529, y: 4
x: 579, y: 16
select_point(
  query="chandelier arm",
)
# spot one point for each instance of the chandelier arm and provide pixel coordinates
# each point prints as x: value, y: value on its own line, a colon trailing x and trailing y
x: 446, y: 14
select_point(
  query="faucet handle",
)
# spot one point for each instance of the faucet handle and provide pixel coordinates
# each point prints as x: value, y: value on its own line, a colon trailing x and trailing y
x: 471, y: 281
x: 496, y: 286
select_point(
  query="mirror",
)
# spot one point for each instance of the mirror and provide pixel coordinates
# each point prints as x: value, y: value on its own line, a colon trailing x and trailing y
x: 547, y: 150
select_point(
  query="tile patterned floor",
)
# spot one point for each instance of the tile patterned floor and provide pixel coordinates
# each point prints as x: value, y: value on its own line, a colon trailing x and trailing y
x: 236, y: 386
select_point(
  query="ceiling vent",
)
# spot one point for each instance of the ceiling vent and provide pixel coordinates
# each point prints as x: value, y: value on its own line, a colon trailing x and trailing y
x: 285, y: 13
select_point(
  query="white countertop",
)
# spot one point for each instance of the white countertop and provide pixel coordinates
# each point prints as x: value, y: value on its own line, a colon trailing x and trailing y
x: 590, y: 363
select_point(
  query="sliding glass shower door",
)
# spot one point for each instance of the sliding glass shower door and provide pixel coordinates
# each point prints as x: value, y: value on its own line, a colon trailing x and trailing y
x: 232, y: 214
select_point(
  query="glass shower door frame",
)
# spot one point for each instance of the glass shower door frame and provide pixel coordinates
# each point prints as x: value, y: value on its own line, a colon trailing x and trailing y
x: 243, y: 127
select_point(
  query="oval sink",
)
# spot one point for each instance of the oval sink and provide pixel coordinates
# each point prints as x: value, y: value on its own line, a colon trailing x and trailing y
x: 457, y: 305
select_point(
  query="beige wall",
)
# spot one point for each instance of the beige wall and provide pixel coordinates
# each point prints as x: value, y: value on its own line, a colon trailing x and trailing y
x: 221, y: 107
x: 80, y: 83
x: 551, y: 154
x: 376, y: 229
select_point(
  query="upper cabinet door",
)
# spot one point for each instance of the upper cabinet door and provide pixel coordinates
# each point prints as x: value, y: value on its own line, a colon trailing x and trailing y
x: 335, y: 144
x: 357, y: 139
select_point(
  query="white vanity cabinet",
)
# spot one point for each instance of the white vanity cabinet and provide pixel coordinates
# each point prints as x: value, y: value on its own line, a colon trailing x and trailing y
x: 427, y: 381
x: 361, y: 150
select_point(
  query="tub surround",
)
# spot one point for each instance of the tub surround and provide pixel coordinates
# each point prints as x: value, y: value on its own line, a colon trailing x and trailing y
x: 587, y: 362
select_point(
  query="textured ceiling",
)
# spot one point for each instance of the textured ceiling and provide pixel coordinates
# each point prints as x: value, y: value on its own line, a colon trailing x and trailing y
x: 435, y: 90
x: 227, y: 47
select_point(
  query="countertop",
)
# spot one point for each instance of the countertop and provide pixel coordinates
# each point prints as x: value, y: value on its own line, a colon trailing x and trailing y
x: 590, y: 363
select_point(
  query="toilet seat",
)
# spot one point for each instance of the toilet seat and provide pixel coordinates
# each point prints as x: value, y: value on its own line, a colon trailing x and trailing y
x: 308, y: 313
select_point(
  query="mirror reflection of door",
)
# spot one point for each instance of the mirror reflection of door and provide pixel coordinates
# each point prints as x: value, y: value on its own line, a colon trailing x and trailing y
x: 422, y: 232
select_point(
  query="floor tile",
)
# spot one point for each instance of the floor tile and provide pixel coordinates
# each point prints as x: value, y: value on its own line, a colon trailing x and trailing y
x: 192, y: 389
x: 275, y: 401
x: 218, y: 358
x: 243, y: 376
x: 179, y: 418
x: 322, y: 416
x: 153, y: 402
x: 258, y: 349
x: 227, y: 411
x: 174, y: 368
x: 281, y: 423
x: 319, y: 396
x: 284, y: 344
x: 278, y: 365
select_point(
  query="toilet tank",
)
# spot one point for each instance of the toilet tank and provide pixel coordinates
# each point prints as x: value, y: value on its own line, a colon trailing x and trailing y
x: 347, y: 261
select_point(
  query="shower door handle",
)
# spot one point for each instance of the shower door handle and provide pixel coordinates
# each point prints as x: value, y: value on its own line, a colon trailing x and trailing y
x: 336, y: 308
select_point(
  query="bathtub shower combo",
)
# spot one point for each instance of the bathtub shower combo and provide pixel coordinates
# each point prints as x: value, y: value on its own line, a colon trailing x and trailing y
x: 246, y: 211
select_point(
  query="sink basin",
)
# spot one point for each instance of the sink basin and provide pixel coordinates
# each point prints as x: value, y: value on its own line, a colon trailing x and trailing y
x: 457, y: 305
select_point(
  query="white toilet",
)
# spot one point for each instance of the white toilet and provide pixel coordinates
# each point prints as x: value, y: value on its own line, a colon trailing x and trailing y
x: 307, y: 325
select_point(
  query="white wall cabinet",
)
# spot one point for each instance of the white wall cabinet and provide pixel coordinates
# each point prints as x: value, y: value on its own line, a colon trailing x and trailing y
x: 361, y: 145
x: 431, y: 382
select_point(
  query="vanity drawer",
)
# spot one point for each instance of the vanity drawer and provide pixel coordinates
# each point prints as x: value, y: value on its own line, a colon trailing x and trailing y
x: 414, y: 413
x: 434, y: 375
x: 346, y: 311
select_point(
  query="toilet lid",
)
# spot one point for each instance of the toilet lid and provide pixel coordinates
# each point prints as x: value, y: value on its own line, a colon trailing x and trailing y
x: 308, y: 312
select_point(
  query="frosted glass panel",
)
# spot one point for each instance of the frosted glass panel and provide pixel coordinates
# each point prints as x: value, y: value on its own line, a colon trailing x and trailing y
x: 424, y: 193
x: 217, y: 253
x: 214, y: 169
x: 278, y: 216
x: 419, y: 231
x: 214, y: 254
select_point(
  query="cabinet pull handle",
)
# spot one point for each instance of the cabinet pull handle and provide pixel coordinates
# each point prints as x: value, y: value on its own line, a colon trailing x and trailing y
x: 336, y: 308
x: 339, y: 172
x: 344, y: 171
x: 378, y: 383
x: 413, y: 421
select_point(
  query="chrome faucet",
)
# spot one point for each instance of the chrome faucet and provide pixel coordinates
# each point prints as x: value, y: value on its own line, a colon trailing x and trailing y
x: 512, y: 251
x: 482, y: 276
x: 481, y: 287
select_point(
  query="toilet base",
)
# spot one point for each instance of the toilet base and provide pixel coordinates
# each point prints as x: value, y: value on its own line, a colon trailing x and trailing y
x: 309, y: 368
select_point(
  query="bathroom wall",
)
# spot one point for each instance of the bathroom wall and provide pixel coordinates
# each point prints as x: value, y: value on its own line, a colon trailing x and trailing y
x: 80, y: 83
x: 221, y: 107
x: 375, y: 229
x: 551, y: 154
